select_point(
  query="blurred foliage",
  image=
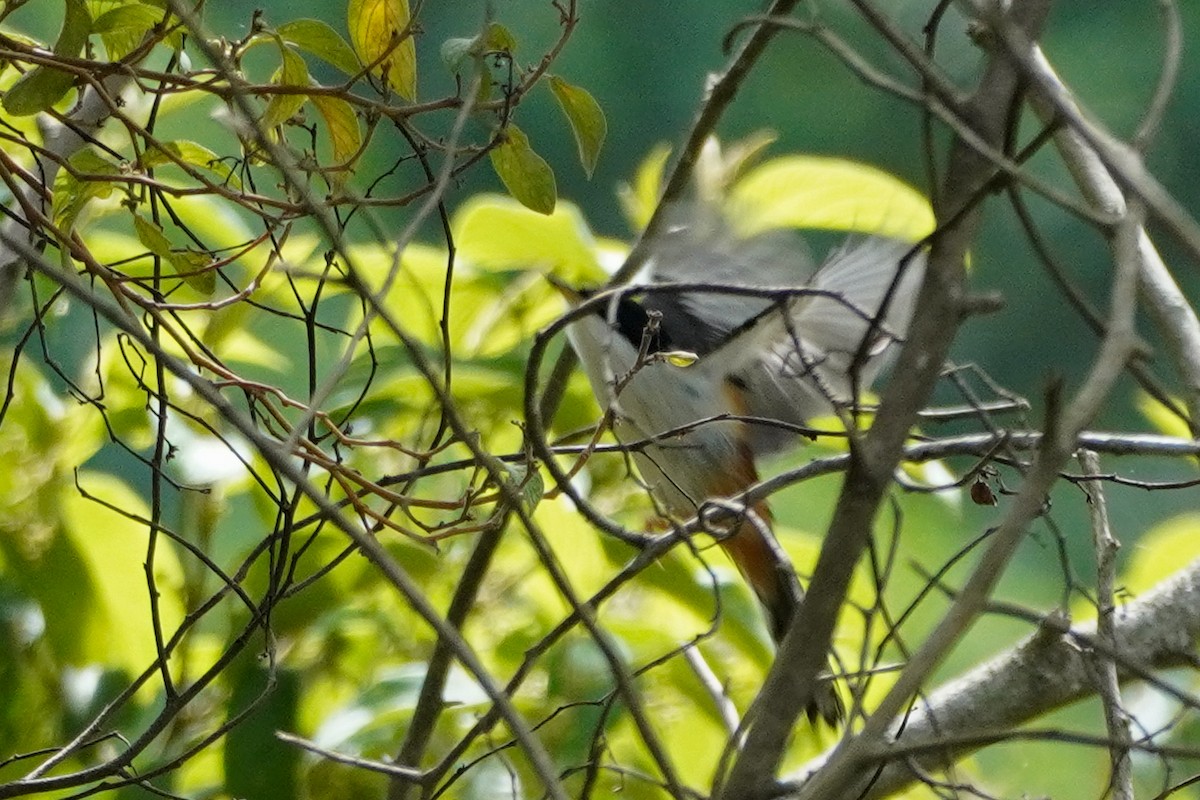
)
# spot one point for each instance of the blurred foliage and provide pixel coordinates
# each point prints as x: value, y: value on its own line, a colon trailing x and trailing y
x: 87, y: 581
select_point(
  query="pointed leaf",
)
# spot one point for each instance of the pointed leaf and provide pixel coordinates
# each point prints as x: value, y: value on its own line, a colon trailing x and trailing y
x: 586, y: 118
x: 342, y: 123
x: 316, y: 37
x: 188, y: 265
x: 293, y: 72
x: 524, y: 173
x: 374, y: 25
x: 42, y: 87
x: 191, y: 153
x: 639, y: 198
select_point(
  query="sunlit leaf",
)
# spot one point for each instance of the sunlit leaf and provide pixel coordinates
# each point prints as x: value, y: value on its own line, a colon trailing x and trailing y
x: 1162, y: 551
x: 374, y: 26
x: 342, y: 124
x: 1163, y: 418
x: 586, y: 118
x: 828, y: 194
x: 123, y: 28
x: 523, y: 172
x: 496, y: 232
x: 42, y: 86
x: 317, y: 37
x: 107, y: 587
x: 640, y: 198
x: 293, y: 72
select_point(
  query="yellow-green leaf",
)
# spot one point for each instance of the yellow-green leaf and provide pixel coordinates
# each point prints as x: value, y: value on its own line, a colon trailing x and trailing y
x: 374, y: 26
x: 639, y: 198
x: 318, y: 38
x: 524, y: 173
x: 586, y: 118
x: 72, y: 193
x: 1163, y: 418
x: 123, y: 28
x: 342, y: 123
x: 292, y: 72
x: 42, y: 87
x: 191, y: 153
x: 495, y: 232
x: 828, y: 194
x: 187, y: 264
x: 152, y: 236
x: 193, y: 268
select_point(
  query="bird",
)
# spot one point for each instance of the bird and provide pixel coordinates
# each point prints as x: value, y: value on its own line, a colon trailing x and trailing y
x: 731, y: 345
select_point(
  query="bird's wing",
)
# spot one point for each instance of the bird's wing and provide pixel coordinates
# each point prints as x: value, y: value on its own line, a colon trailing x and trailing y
x: 796, y: 365
x: 698, y: 246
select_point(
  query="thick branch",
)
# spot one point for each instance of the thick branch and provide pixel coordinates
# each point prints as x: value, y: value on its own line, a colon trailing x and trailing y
x: 791, y: 682
x: 1051, y: 669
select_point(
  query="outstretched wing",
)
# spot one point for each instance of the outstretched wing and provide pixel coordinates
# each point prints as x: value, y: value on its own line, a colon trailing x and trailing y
x: 698, y: 246
x: 799, y: 361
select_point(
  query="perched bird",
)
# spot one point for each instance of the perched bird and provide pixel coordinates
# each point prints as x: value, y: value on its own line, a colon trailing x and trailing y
x: 674, y: 365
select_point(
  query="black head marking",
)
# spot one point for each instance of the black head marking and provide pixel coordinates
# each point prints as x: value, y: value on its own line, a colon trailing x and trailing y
x: 632, y: 319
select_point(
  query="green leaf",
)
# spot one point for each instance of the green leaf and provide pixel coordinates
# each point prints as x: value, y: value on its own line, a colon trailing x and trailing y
x: 494, y: 232
x: 42, y: 87
x: 640, y: 197
x: 293, y: 72
x: 828, y: 194
x: 342, y: 123
x: 71, y: 194
x: 373, y: 25
x: 191, y: 153
x: 123, y: 28
x: 586, y: 118
x: 524, y: 173
x: 531, y: 485
x: 189, y: 265
x: 152, y: 236
x: 456, y: 51
x: 495, y: 39
x: 318, y: 38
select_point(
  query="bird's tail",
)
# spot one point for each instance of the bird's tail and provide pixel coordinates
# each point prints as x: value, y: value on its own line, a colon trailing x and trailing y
x: 767, y: 569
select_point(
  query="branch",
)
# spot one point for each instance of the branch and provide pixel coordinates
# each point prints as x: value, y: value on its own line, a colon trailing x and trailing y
x: 939, y: 308
x: 62, y: 140
x: 1050, y: 669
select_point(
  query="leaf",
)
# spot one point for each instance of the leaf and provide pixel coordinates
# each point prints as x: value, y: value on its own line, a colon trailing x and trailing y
x: 529, y: 484
x: 1162, y: 418
x: 71, y: 194
x: 197, y: 155
x: 524, y: 173
x: 342, y: 123
x: 293, y: 72
x: 494, y: 232
x: 828, y: 194
x: 374, y: 24
x: 189, y: 265
x: 42, y: 87
x: 123, y: 28
x: 638, y: 199
x: 495, y: 39
x: 316, y: 37
x: 586, y: 118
